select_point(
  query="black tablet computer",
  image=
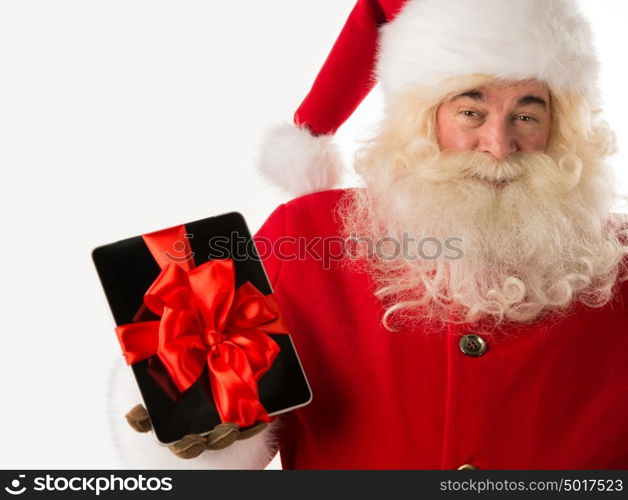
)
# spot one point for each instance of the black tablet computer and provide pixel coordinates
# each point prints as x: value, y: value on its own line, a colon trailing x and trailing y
x: 127, y: 269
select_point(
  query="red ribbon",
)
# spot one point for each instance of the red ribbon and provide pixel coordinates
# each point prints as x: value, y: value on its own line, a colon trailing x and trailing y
x: 205, y: 320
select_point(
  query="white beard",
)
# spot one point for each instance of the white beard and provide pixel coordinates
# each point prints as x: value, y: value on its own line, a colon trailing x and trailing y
x: 535, y: 235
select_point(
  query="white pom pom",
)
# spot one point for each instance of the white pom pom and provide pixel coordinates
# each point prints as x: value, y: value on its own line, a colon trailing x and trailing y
x: 299, y: 162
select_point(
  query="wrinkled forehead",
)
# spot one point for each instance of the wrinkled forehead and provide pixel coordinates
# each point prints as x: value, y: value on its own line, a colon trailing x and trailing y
x: 519, y: 92
x: 486, y: 88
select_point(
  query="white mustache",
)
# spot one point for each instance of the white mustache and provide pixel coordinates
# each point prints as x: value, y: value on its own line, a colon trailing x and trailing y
x: 536, y: 169
x: 456, y: 165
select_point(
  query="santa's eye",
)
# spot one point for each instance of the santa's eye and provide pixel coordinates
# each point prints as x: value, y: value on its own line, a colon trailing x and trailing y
x: 469, y: 113
x: 525, y: 118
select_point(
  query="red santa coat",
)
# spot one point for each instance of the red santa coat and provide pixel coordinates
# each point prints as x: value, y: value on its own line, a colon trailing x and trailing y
x: 549, y: 395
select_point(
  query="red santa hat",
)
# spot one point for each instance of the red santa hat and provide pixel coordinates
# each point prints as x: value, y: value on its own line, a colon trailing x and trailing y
x: 423, y: 42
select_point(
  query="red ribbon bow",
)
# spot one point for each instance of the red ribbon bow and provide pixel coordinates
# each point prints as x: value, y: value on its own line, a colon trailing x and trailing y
x: 205, y: 320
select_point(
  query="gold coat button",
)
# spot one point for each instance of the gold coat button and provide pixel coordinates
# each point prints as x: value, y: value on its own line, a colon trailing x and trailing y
x: 472, y: 345
x: 467, y: 467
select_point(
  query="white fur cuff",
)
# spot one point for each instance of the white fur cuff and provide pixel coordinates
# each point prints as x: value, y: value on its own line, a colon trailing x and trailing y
x: 142, y: 451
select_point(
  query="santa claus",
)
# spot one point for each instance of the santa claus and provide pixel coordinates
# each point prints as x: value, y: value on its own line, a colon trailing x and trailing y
x: 477, y: 317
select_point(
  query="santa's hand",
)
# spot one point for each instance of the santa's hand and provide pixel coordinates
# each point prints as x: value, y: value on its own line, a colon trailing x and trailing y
x: 192, y: 445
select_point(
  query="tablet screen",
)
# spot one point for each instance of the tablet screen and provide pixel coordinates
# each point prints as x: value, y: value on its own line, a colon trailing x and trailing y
x: 127, y: 269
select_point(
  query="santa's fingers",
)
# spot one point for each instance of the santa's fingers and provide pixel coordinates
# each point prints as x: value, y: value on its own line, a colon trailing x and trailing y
x: 249, y: 432
x: 189, y: 446
x: 222, y: 436
x: 138, y: 419
x: 192, y: 445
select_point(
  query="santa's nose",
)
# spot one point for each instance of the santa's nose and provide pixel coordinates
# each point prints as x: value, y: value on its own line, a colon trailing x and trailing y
x: 497, y: 139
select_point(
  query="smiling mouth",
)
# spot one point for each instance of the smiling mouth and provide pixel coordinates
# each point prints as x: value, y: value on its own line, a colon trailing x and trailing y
x: 495, y: 183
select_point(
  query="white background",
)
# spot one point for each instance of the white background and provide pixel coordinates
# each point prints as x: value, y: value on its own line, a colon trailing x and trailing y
x: 123, y: 117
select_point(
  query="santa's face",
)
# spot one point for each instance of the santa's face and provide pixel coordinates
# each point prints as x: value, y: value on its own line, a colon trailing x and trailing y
x: 496, y: 119
x: 529, y: 212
